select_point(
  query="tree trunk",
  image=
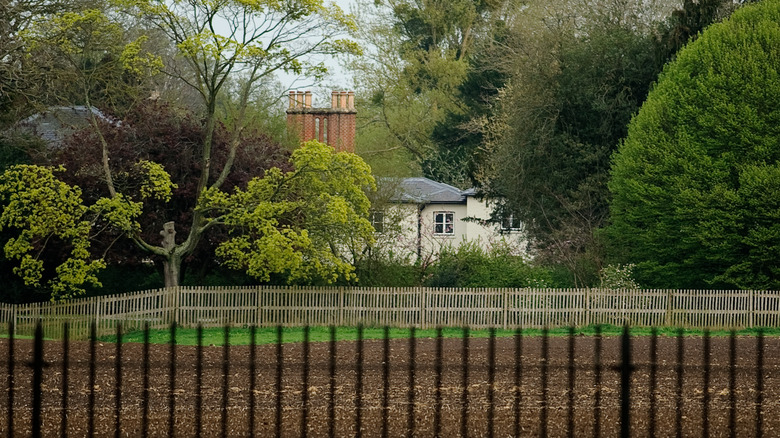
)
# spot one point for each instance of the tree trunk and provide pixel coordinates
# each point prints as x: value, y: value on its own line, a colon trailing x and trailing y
x: 172, y: 270
x: 172, y: 262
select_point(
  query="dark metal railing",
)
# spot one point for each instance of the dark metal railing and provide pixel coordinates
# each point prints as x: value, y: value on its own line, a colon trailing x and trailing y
x: 649, y: 396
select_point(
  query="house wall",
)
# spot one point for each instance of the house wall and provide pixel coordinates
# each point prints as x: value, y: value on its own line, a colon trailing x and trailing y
x: 401, y: 234
x: 432, y: 242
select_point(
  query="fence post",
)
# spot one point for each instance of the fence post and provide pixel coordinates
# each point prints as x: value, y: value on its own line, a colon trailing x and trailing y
x: 752, y: 307
x: 15, y: 317
x: 505, y: 302
x: 341, y: 306
x: 97, y: 313
x: 668, y: 316
x: 177, y: 304
x: 587, y: 307
x: 423, y: 307
x: 259, y: 308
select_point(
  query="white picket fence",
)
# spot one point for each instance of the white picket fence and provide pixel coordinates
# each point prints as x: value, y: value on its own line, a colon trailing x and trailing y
x: 397, y: 307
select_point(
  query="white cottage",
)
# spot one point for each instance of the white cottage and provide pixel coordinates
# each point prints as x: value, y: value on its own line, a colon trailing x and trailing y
x: 421, y: 216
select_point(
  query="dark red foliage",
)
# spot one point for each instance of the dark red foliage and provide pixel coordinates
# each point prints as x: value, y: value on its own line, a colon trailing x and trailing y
x: 173, y: 137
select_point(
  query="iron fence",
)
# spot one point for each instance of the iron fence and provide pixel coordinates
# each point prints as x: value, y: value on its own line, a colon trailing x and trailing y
x: 522, y: 385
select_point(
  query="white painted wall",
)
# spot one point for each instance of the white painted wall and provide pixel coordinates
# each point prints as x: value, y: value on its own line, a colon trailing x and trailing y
x: 401, y: 229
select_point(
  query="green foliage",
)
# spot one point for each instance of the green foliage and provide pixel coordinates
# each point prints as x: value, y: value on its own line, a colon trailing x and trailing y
x: 696, y: 182
x: 388, y: 270
x: 18, y: 149
x: 90, y: 59
x: 685, y: 24
x: 308, y: 223
x: 618, y: 277
x: 471, y: 266
x: 549, y: 142
x: 156, y: 183
x: 41, y: 208
x: 23, y: 79
x: 421, y: 54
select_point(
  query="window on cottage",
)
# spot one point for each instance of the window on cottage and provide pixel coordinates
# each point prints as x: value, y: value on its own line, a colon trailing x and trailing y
x: 443, y: 222
x: 317, y: 129
x: 509, y: 223
x: 325, y: 131
x: 378, y: 221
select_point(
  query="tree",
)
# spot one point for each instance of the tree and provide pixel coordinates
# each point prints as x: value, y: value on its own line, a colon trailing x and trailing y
x: 260, y: 38
x: 21, y: 75
x: 219, y: 44
x: 695, y: 183
x: 161, y: 133
x: 420, y: 56
x: 576, y: 78
x: 45, y: 210
x: 309, y: 223
x: 568, y: 102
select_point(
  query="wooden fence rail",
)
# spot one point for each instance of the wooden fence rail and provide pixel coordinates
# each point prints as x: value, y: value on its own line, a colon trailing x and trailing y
x: 397, y: 307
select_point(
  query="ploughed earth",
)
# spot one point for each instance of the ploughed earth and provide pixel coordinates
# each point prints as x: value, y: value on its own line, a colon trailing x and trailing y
x: 699, y: 385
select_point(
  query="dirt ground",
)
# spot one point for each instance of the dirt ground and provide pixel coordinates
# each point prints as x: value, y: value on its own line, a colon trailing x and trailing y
x: 694, y: 420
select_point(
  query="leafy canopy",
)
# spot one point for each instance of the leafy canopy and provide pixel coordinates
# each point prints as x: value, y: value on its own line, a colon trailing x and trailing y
x: 307, y: 223
x: 42, y: 208
x: 696, y: 183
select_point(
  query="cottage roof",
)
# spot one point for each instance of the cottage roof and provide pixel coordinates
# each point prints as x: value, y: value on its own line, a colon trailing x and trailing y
x: 419, y: 190
x: 57, y: 122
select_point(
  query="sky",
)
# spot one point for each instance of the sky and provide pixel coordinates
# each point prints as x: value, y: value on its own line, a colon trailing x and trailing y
x: 339, y: 78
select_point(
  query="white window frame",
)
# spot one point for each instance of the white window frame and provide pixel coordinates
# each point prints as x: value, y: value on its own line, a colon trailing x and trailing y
x: 442, y: 227
x: 508, y: 224
x: 377, y: 217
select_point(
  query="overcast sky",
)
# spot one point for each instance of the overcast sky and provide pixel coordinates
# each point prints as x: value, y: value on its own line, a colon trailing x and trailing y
x: 339, y: 78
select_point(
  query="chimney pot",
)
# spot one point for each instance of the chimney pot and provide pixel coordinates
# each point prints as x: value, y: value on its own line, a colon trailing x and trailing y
x: 334, y: 100
x: 351, y: 100
x: 308, y: 99
x: 292, y: 99
x: 343, y: 100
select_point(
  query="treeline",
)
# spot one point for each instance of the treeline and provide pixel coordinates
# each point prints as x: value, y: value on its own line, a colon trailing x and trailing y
x: 636, y: 141
x: 546, y: 108
x: 179, y: 166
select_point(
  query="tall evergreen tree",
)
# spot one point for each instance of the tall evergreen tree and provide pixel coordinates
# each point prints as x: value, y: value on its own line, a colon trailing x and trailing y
x: 695, y: 184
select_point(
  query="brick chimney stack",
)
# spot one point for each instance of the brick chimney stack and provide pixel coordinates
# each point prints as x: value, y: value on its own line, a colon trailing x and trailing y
x: 334, y: 126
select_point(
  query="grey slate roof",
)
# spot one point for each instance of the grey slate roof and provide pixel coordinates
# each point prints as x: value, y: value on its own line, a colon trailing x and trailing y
x: 421, y: 190
x: 57, y: 122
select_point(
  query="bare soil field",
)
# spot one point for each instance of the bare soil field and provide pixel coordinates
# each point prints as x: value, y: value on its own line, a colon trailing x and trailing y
x: 694, y: 418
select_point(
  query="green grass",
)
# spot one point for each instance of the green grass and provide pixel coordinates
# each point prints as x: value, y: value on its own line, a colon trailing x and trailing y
x: 267, y: 335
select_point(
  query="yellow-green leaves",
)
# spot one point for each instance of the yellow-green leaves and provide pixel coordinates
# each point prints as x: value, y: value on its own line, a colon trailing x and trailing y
x: 345, y: 46
x: 75, y: 33
x: 250, y: 38
x: 136, y: 61
x: 120, y: 212
x: 89, y: 50
x: 305, y: 224
x: 157, y: 182
x: 42, y: 209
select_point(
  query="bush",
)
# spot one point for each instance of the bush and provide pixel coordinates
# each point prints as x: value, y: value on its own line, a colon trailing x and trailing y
x: 388, y: 270
x: 469, y: 265
x: 695, y: 184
